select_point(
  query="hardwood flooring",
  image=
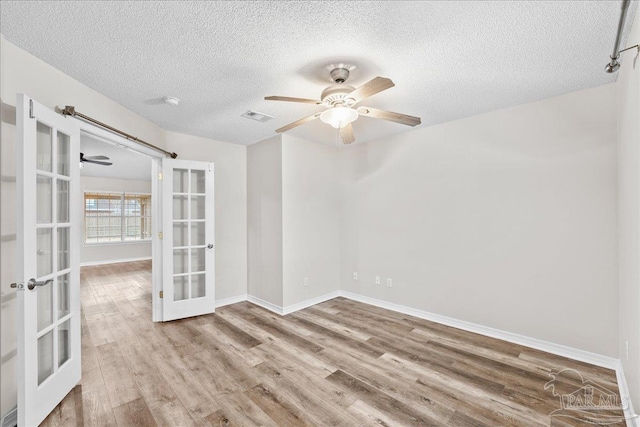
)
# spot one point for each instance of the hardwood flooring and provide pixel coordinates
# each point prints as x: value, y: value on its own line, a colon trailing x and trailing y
x: 339, y: 363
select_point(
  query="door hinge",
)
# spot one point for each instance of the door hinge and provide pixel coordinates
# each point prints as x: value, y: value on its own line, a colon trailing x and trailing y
x: 160, y: 235
x: 161, y: 294
x: 31, y: 109
x: 159, y: 176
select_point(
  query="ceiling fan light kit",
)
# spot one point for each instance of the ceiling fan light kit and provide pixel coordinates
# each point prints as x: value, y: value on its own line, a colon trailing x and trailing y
x: 340, y: 99
x: 339, y: 117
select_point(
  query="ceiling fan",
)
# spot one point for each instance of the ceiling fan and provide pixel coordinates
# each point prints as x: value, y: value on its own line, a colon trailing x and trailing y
x: 98, y: 160
x: 340, y: 102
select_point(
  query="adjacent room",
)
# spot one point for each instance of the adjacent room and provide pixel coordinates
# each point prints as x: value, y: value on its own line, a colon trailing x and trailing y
x: 319, y: 213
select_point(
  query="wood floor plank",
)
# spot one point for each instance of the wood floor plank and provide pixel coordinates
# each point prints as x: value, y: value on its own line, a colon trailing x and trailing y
x: 115, y: 372
x: 281, y: 412
x: 239, y: 410
x: 340, y: 362
x: 173, y: 414
x: 233, y: 332
x: 227, y: 344
x: 280, y: 332
x: 317, y: 409
x: 338, y: 338
x: 135, y: 414
x: 152, y: 386
x: 185, y: 384
x: 97, y: 408
x: 397, y: 410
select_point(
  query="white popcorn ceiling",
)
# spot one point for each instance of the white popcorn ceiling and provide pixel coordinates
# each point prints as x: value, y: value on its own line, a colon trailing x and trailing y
x: 448, y: 59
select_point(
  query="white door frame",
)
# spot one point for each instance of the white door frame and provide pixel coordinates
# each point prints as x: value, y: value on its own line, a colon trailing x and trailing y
x: 156, y: 202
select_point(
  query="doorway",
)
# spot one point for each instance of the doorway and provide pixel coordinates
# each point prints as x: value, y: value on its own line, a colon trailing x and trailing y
x: 131, y: 176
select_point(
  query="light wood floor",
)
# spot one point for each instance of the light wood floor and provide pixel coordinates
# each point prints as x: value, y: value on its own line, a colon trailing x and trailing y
x: 337, y: 363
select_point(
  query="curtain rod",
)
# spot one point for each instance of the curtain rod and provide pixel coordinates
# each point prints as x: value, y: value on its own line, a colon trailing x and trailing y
x: 71, y: 111
x: 614, y: 65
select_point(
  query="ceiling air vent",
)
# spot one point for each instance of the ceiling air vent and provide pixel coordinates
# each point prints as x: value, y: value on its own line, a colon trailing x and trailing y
x: 254, y: 115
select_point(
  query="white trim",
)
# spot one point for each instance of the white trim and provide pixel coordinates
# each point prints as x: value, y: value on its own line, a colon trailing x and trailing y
x: 629, y: 414
x: 112, y: 138
x: 310, y: 302
x: 116, y: 243
x: 113, y: 261
x: 265, y: 304
x: 549, y: 347
x: 156, y: 242
x: 282, y: 311
x: 231, y: 300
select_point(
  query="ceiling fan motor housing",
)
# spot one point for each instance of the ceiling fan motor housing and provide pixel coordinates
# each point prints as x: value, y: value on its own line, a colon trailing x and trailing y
x: 334, y: 94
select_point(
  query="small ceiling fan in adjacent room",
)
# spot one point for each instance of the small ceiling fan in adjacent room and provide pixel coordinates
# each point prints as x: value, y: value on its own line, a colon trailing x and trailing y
x: 98, y: 160
x: 340, y: 102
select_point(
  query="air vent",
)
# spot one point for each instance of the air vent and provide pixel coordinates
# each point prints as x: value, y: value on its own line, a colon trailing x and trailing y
x: 254, y: 115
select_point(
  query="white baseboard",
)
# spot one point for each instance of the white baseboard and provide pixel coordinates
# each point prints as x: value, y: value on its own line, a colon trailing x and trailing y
x: 549, y: 347
x: 265, y: 304
x: 113, y: 261
x: 310, y: 302
x: 10, y: 419
x: 629, y: 414
x: 231, y: 300
x: 282, y: 311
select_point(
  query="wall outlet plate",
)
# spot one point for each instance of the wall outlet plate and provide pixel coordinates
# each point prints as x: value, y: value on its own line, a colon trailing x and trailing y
x: 377, y: 280
x: 355, y: 275
x: 389, y: 282
x: 306, y: 281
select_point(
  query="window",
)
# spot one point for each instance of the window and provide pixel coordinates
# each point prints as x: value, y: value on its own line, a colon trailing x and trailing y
x: 116, y: 217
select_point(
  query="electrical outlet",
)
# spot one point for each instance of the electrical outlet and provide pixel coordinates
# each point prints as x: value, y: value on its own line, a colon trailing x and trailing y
x: 355, y: 275
x: 377, y: 280
x: 306, y: 281
x: 389, y: 282
x: 626, y: 343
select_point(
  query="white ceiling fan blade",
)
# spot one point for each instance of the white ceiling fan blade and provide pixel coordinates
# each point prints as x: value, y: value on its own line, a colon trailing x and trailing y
x: 346, y: 134
x: 388, y: 115
x: 289, y: 99
x: 370, y: 88
x: 298, y: 123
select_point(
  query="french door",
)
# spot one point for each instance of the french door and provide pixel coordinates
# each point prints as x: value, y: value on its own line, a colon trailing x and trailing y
x: 48, y: 287
x: 188, y: 264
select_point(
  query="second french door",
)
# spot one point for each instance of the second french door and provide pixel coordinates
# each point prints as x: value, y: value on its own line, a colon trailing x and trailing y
x: 188, y: 279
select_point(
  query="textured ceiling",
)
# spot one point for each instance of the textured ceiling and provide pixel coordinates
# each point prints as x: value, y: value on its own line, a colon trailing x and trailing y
x: 448, y: 59
x: 127, y: 164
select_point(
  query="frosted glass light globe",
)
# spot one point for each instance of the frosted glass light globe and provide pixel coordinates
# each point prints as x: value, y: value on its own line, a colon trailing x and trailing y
x: 339, y: 117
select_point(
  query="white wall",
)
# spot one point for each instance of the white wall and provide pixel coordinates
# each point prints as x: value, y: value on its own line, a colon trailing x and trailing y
x: 293, y: 216
x: 506, y: 219
x: 310, y: 219
x: 113, y: 252
x: 264, y: 219
x: 23, y: 73
x: 628, y: 109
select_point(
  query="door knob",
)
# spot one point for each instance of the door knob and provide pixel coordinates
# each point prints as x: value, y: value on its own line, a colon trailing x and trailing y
x: 31, y: 284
